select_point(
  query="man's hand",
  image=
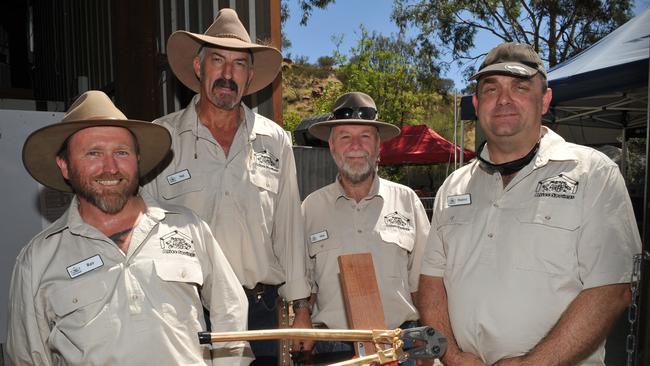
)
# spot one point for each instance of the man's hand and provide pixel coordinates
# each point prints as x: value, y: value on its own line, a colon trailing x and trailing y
x: 302, y: 319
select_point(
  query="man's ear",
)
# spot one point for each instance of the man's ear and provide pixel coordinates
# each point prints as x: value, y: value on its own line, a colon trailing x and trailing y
x: 63, y: 166
x: 196, y: 63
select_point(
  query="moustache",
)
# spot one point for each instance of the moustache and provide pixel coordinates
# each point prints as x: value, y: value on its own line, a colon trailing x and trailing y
x: 358, y: 154
x: 225, y: 83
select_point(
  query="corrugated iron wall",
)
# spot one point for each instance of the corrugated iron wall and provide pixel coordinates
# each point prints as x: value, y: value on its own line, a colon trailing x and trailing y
x: 72, y: 47
x: 315, y: 168
x: 75, y: 48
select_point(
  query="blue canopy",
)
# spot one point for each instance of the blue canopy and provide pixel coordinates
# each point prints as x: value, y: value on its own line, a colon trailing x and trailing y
x: 601, y: 92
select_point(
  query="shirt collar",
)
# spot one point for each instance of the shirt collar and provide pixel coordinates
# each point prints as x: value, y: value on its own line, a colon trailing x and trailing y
x: 553, y: 147
x: 377, y: 189
x: 71, y: 219
x: 189, y: 120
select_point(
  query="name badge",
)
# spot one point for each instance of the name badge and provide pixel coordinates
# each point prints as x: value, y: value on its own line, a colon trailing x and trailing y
x: 85, y: 266
x: 320, y: 236
x: 459, y: 200
x: 178, y: 177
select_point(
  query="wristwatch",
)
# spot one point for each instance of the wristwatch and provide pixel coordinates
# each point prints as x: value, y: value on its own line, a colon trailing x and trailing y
x: 301, y: 304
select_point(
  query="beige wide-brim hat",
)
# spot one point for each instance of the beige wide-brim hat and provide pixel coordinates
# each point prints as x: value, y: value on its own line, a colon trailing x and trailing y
x: 353, y: 100
x: 227, y: 31
x: 92, y: 109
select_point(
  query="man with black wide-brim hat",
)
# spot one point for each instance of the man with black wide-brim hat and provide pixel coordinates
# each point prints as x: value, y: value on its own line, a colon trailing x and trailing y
x: 119, y: 279
x: 235, y: 168
x: 361, y: 212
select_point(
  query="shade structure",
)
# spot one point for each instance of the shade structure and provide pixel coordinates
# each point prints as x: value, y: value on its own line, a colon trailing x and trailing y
x: 419, y: 145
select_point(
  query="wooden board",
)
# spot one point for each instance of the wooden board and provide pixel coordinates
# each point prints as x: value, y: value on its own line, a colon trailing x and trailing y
x: 361, y: 296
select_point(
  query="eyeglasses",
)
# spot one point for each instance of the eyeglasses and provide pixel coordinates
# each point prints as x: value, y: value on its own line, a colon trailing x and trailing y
x: 368, y: 113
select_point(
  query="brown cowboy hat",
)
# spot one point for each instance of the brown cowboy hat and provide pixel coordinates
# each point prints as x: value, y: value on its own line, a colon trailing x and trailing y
x: 92, y: 109
x: 346, y: 108
x: 227, y: 31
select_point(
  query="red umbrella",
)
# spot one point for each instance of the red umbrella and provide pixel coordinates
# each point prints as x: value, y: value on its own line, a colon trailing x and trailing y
x: 419, y: 145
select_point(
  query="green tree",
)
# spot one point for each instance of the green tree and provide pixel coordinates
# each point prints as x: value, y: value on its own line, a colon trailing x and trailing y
x: 557, y: 29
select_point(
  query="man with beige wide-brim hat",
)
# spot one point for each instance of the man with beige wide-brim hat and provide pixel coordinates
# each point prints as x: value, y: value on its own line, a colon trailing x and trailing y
x: 361, y: 212
x: 235, y: 168
x: 119, y: 279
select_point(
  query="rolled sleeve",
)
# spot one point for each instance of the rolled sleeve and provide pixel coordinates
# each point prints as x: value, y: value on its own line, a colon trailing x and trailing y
x: 610, y: 237
x: 288, y: 228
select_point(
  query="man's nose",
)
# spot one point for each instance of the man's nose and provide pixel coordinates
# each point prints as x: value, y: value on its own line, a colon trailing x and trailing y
x: 227, y: 70
x: 505, y: 97
x: 110, y: 164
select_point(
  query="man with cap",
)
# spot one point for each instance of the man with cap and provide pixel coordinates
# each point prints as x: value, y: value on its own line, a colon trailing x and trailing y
x: 362, y: 213
x: 531, y: 247
x: 236, y: 169
x: 119, y: 279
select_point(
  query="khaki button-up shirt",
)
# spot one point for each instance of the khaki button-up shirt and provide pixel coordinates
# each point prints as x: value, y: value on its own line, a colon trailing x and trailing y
x: 390, y: 223
x: 513, y: 259
x: 77, y: 299
x: 249, y: 198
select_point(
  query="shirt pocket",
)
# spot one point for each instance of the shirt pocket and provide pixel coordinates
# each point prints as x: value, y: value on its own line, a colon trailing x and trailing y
x: 549, y: 235
x: 265, y: 179
x: 195, y: 183
x: 455, y: 227
x: 322, y: 247
x: 179, y: 271
x: 76, y: 298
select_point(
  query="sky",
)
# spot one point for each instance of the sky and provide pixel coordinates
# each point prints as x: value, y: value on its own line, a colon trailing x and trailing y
x: 344, y: 17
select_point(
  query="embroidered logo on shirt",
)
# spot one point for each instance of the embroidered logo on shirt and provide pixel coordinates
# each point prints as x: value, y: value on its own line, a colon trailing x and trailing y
x: 85, y: 266
x: 559, y: 186
x: 177, y: 243
x: 178, y: 177
x: 319, y: 236
x: 267, y: 160
x: 397, y: 220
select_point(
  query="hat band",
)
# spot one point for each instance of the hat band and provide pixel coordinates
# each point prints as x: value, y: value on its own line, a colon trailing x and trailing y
x: 368, y: 113
x: 229, y: 35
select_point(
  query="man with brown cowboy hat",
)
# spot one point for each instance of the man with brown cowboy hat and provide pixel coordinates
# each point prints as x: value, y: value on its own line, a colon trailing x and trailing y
x: 361, y: 212
x: 531, y: 246
x: 119, y: 279
x: 236, y: 168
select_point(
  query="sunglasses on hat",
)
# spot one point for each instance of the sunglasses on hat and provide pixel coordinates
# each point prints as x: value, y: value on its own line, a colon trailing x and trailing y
x: 368, y: 113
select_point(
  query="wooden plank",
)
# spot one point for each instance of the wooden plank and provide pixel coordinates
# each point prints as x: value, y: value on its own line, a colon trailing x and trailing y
x: 361, y: 296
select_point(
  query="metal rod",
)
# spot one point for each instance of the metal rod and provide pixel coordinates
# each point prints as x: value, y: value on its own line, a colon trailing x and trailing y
x: 377, y: 336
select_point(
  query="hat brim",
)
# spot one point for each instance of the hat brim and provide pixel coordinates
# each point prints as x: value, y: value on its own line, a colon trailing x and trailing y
x: 183, y: 47
x: 41, y: 147
x: 321, y: 130
x: 515, y: 69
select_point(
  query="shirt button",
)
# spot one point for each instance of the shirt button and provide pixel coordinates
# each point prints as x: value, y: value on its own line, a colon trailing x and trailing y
x: 183, y: 274
x: 134, y: 297
x: 547, y: 217
x: 495, y: 205
x: 359, y: 231
x: 358, y: 209
x: 74, y: 300
x: 227, y: 193
x: 490, y: 235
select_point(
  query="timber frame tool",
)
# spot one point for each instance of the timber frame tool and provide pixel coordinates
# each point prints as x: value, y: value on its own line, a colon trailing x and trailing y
x: 431, y: 344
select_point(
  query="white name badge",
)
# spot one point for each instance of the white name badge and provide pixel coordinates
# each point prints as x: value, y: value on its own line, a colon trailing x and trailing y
x: 320, y: 236
x: 459, y: 200
x: 178, y: 177
x: 85, y: 266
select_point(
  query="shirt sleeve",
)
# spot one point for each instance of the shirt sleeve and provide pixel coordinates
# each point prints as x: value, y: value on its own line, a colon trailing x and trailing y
x: 288, y: 229
x: 435, y: 259
x: 224, y: 297
x: 422, y: 226
x: 28, y: 329
x: 609, y: 235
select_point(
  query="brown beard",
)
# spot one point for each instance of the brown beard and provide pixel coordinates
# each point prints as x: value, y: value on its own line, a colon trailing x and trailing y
x: 108, y: 202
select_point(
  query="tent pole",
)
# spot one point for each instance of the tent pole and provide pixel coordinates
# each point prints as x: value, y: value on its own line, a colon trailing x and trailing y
x: 462, y: 142
x: 624, y: 151
x: 642, y: 345
x: 455, y: 124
